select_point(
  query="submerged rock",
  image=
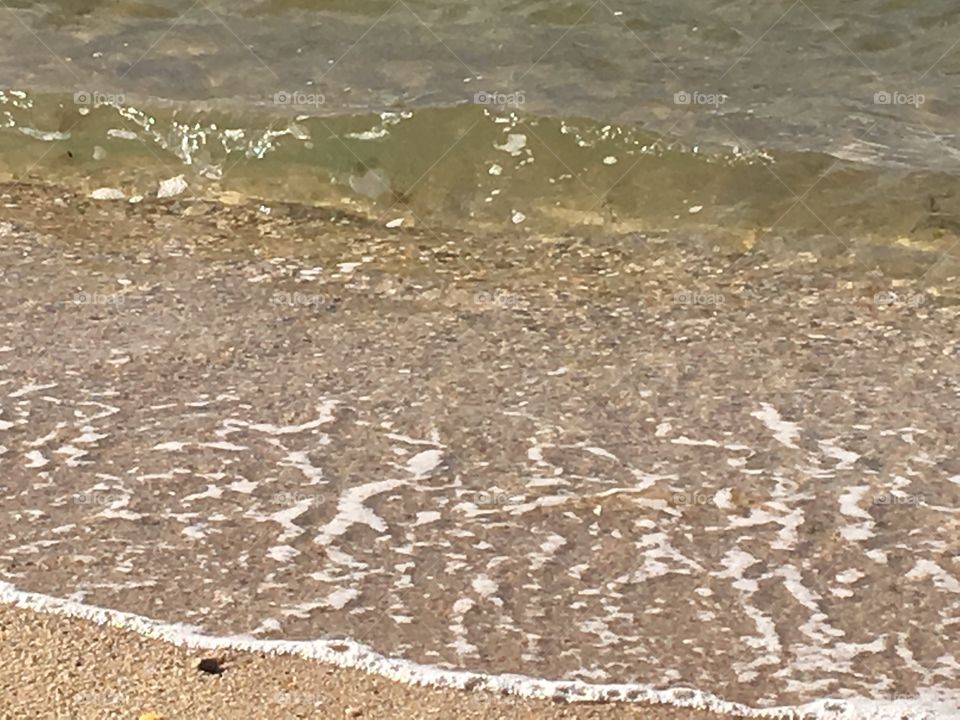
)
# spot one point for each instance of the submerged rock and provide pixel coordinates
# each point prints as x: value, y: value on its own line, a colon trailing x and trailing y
x: 172, y: 187
x: 372, y: 184
x: 108, y: 194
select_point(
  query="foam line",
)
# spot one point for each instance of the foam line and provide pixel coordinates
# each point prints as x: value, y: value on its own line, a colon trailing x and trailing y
x: 354, y: 655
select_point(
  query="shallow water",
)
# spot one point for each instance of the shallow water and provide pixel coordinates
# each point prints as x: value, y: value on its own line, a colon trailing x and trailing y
x: 638, y: 112
x: 789, y: 75
x: 623, y: 352
x: 607, y: 459
x: 477, y: 167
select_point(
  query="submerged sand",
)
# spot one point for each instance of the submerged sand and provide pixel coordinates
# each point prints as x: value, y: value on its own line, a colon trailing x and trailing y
x: 725, y: 464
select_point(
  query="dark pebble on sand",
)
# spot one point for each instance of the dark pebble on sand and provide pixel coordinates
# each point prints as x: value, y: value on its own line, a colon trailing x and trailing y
x: 210, y: 666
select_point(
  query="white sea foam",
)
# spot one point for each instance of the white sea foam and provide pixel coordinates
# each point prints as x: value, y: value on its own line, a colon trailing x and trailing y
x: 351, y: 511
x: 424, y: 463
x: 931, y: 704
x: 36, y: 458
x: 282, y: 553
x: 30, y: 388
x: 784, y: 432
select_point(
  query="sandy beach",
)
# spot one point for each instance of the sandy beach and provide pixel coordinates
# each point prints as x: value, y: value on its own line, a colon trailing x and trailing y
x: 53, y: 667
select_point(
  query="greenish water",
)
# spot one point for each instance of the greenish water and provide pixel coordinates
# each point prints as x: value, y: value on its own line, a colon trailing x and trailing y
x: 467, y: 165
x: 775, y: 117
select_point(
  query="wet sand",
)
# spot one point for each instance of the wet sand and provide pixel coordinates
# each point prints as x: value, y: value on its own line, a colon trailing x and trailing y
x: 52, y: 667
x: 725, y: 463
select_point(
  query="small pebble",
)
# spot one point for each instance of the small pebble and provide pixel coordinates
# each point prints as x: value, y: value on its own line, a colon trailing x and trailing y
x: 107, y: 194
x: 171, y: 187
x: 211, y: 666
